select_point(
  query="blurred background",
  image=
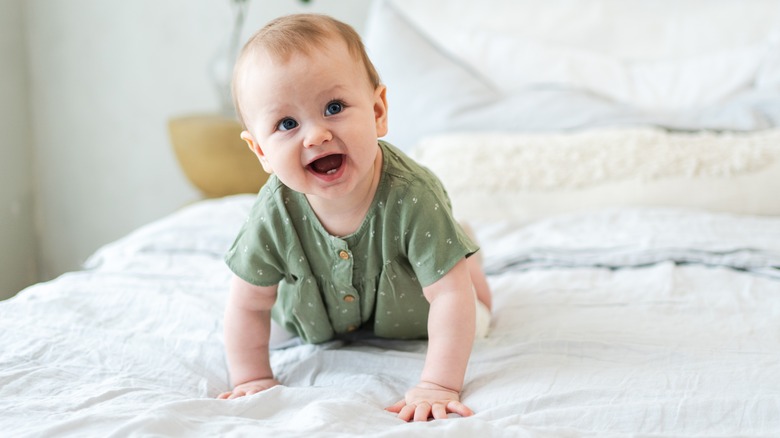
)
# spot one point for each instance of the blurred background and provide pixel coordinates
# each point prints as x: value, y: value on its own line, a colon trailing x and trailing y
x: 87, y: 88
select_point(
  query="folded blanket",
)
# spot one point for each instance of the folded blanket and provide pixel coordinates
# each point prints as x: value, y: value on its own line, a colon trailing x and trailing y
x: 626, y: 238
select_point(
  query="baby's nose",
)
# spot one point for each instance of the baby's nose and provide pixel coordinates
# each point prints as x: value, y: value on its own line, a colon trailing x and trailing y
x: 316, y: 135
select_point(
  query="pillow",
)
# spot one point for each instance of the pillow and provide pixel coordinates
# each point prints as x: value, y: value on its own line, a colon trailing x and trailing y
x: 632, y: 30
x: 666, y: 84
x: 661, y: 55
x: 434, y: 89
x: 525, y: 177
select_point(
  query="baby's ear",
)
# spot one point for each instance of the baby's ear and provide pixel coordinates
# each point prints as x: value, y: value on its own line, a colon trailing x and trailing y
x: 380, y: 110
x: 257, y: 150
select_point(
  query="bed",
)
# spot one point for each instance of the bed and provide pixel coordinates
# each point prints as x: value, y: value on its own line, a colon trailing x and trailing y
x: 632, y: 242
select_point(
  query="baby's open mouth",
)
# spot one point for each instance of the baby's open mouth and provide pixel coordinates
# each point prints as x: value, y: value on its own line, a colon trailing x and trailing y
x: 327, y: 165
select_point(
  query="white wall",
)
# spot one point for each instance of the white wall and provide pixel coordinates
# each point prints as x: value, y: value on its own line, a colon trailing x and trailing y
x: 105, y: 76
x: 17, y: 241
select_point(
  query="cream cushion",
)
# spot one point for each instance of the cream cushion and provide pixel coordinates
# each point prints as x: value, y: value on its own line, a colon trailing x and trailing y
x: 530, y: 176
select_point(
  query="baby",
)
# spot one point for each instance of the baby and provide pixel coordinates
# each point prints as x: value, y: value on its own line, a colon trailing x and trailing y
x: 348, y: 233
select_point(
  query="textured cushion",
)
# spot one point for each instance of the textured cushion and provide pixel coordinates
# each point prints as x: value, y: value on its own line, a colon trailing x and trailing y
x: 529, y: 176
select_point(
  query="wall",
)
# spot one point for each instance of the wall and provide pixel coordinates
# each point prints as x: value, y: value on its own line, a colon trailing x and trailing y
x: 105, y: 76
x: 17, y: 241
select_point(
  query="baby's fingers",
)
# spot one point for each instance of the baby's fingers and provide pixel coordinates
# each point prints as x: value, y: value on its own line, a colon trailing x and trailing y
x: 439, y: 411
x: 230, y: 395
x: 402, y: 410
x: 396, y: 408
x: 236, y: 394
x: 459, y: 408
x: 407, y: 413
x: 422, y: 412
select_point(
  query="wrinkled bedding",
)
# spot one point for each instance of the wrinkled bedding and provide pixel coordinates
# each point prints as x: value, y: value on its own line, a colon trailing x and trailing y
x: 621, y: 322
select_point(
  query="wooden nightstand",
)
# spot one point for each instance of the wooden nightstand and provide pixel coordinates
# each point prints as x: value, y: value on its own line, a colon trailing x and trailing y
x: 213, y: 156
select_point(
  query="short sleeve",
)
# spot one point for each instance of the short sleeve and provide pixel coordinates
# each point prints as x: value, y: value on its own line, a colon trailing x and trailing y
x: 434, y: 240
x: 256, y: 255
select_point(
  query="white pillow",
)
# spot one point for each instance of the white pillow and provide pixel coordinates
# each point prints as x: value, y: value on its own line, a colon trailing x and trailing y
x: 666, y: 84
x: 632, y: 30
x: 432, y: 90
x: 529, y: 176
x: 660, y: 55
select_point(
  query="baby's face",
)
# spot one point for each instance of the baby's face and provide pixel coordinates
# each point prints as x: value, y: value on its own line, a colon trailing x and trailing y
x: 314, y: 120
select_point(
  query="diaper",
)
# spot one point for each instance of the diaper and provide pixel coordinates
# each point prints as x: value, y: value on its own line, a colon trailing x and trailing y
x: 482, y: 326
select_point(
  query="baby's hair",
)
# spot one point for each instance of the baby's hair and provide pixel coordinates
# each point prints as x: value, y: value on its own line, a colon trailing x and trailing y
x: 301, y: 33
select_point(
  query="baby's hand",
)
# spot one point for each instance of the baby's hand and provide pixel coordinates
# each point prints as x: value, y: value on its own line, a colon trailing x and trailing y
x: 429, y: 400
x: 249, y: 388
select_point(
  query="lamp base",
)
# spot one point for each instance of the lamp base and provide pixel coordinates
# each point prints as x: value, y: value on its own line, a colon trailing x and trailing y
x: 213, y: 156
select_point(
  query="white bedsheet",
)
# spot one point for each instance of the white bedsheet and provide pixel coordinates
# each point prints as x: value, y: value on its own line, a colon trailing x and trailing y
x: 132, y: 346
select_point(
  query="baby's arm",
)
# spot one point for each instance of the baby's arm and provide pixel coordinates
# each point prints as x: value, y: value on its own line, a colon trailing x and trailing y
x: 247, y: 330
x: 450, y: 338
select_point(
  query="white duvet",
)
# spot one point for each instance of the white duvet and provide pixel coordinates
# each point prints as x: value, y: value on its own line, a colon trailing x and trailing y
x: 610, y: 323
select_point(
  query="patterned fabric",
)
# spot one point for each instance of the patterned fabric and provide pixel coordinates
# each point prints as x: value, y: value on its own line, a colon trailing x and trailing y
x: 371, y: 278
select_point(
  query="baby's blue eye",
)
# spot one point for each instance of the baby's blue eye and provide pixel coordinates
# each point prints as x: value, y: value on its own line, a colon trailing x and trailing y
x: 333, y: 108
x: 287, y: 124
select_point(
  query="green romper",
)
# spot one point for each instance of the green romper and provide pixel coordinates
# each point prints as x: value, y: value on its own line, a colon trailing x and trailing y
x: 372, y: 278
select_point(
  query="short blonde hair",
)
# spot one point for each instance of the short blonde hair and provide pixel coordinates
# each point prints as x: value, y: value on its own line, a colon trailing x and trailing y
x: 300, y: 33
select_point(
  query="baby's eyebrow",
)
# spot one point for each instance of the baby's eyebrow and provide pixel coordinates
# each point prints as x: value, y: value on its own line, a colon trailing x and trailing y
x: 274, y: 110
x: 338, y: 88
